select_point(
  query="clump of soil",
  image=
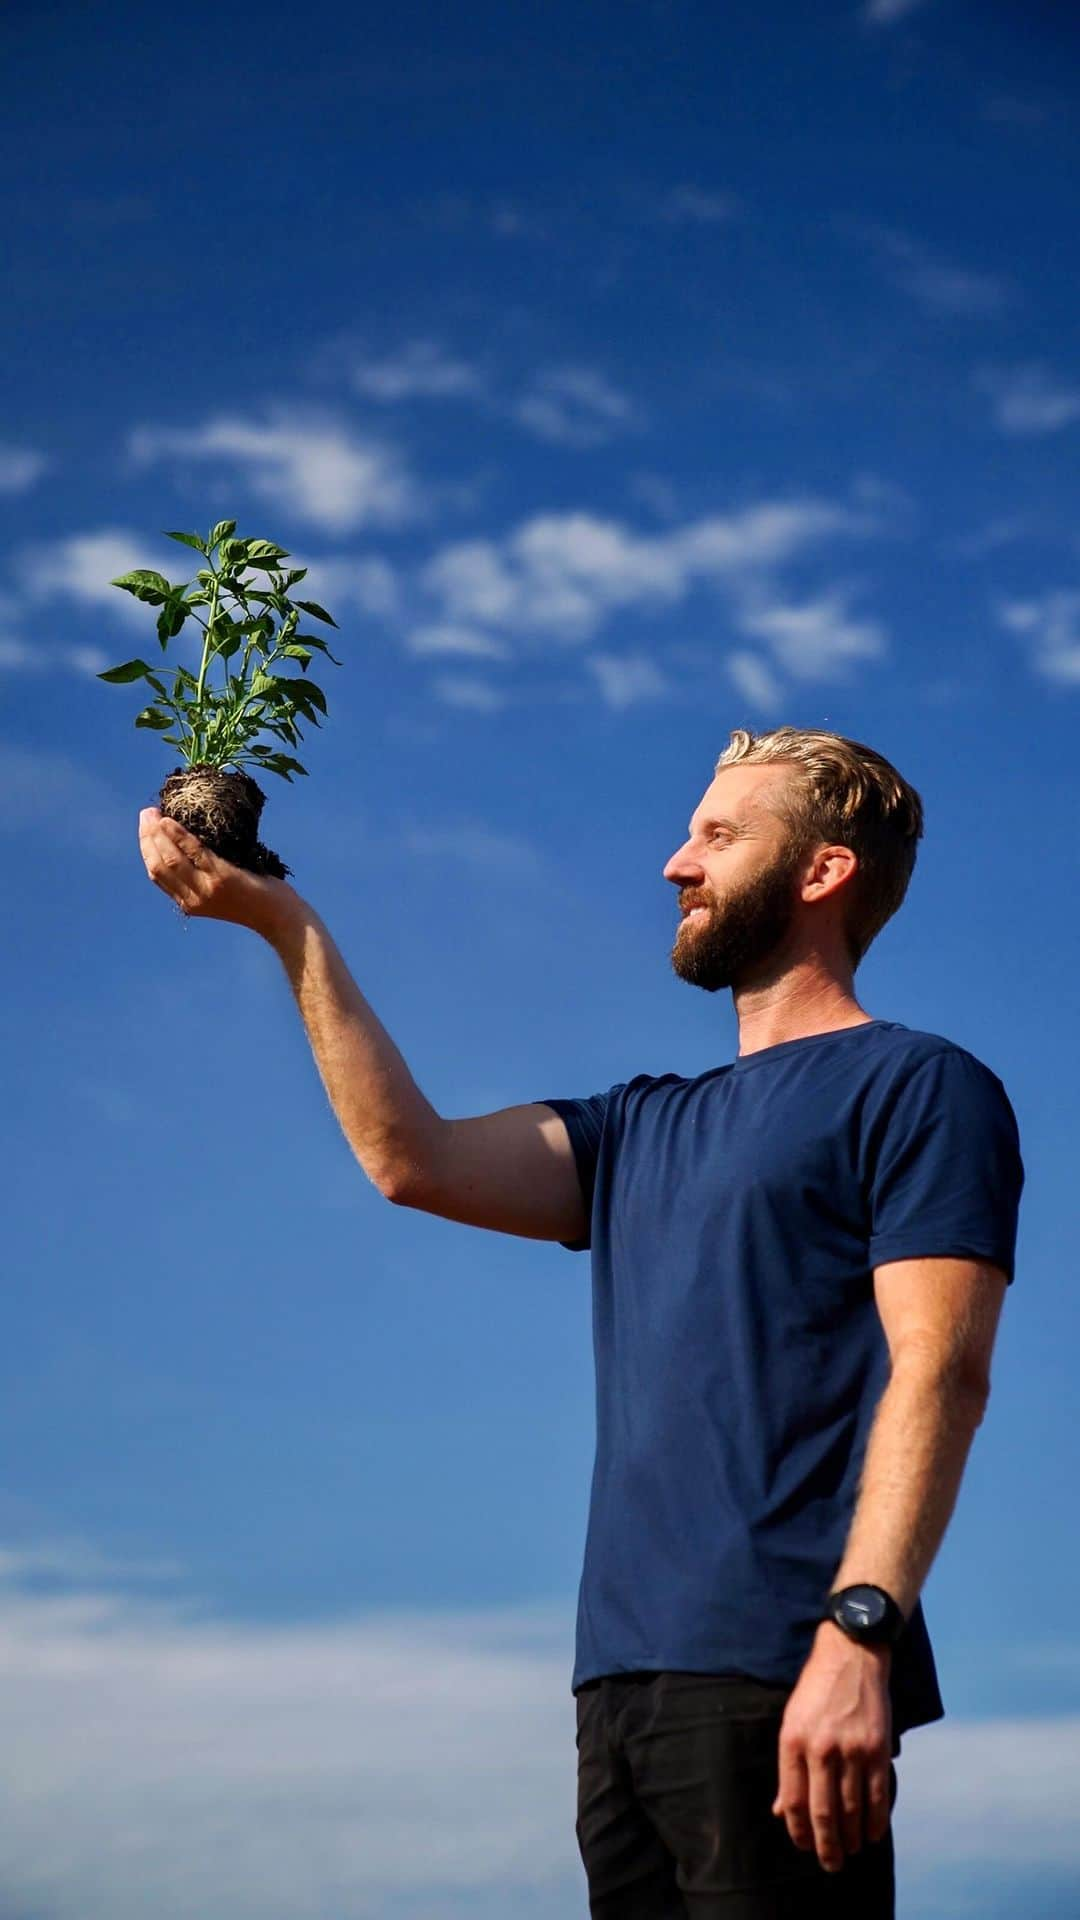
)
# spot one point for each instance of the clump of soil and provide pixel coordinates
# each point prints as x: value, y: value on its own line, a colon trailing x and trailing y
x: 222, y: 810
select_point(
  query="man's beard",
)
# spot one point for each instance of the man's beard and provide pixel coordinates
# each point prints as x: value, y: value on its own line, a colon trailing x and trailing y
x: 744, y: 932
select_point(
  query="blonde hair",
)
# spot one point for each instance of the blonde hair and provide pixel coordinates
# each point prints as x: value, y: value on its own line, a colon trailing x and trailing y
x: 843, y: 794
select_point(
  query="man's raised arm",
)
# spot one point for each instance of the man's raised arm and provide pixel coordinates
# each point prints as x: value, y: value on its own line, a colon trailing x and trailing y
x: 512, y: 1171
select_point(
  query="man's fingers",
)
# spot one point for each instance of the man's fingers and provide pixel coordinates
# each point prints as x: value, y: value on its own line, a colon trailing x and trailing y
x: 791, y: 1798
x: 173, y: 858
x: 878, y: 1790
x: 852, y: 1790
x: 825, y: 1812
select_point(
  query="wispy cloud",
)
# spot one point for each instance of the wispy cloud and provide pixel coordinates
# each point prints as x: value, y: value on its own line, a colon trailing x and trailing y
x: 575, y: 407
x: 422, y: 369
x: 1029, y: 399
x: 690, y: 205
x: 475, y: 845
x: 938, y: 285
x: 20, y: 468
x: 367, y: 582
x: 47, y: 794
x: 159, y: 1760
x: 81, y: 566
x: 564, y: 575
x: 563, y: 578
x: 310, y: 465
x: 811, y: 639
x: 886, y: 13
x: 158, y: 1763
x: 999, y: 532
x: 755, y: 680
x: 468, y: 692
x: 626, y: 679
x: 568, y: 405
x: 449, y: 639
x: 1050, y: 627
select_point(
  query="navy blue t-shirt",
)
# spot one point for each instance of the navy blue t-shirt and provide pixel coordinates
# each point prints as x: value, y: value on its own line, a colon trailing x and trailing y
x: 736, y: 1219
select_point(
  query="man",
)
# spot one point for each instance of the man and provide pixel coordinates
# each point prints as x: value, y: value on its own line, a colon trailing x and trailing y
x: 799, y: 1260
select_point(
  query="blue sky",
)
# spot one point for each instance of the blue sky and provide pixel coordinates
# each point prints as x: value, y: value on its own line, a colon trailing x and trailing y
x: 623, y: 375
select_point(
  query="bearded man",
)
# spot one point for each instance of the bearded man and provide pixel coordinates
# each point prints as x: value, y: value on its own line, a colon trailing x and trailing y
x: 799, y: 1260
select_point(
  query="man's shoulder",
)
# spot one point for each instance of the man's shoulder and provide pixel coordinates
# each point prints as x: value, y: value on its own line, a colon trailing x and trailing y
x: 913, y: 1047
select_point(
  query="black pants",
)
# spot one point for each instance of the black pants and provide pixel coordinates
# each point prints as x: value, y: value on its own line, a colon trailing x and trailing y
x: 677, y: 1773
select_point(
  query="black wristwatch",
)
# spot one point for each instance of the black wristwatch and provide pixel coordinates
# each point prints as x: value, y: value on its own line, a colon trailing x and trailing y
x: 866, y: 1614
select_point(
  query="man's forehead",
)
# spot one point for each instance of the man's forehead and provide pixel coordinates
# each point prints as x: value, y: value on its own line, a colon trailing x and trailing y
x: 741, y: 793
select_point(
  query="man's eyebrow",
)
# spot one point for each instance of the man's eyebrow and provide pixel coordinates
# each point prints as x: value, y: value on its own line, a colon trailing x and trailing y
x: 733, y: 825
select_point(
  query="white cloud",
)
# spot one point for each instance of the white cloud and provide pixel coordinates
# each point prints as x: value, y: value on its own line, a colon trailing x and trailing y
x: 336, y: 583
x: 20, y: 469
x: 404, y: 1766
x: 49, y: 794
x: 627, y: 679
x: 1029, y: 399
x: 988, y: 538
x: 885, y: 13
x: 16, y: 656
x: 938, y: 285
x: 306, y: 464
x: 564, y: 575
x: 811, y: 639
x: 991, y: 1792
x: 476, y: 845
x: 83, y: 565
x: 422, y: 369
x: 162, y: 1763
x: 695, y: 205
x: 656, y: 492
x: 446, y: 638
x: 755, y: 680
x: 1051, y: 626
x: 86, y: 660
x: 574, y: 407
x: 462, y: 690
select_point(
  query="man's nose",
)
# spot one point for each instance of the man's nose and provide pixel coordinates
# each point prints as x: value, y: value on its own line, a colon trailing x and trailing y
x: 683, y: 865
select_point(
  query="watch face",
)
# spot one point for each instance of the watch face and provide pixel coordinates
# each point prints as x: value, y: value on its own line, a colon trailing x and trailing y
x: 863, y: 1607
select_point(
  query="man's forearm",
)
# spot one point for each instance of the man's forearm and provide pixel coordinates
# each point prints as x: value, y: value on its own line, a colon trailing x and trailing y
x: 915, y: 1458
x: 383, y: 1114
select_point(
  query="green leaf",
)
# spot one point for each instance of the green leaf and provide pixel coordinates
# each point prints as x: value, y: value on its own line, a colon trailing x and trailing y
x: 312, y: 606
x: 172, y: 616
x: 158, y: 685
x: 306, y: 691
x: 264, y: 555
x: 313, y: 640
x: 220, y: 532
x: 300, y: 574
x: 232, y: 644
x: 150, y: 717
x: 145, y: 584
x: 280, y: 763
x: 131, y: 670
x: 189, y: 540
x: 303, y: 654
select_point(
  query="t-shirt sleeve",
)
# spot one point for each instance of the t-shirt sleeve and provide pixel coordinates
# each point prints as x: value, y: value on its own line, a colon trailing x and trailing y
x: 585, y: 1124
x: 947, y: 1173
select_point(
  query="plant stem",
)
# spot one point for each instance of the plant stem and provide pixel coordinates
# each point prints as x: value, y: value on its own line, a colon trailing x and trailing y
x: 196, y: 728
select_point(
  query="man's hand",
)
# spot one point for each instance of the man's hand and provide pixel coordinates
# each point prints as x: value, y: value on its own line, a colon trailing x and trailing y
x: 202, y: 884
x: 836, y: 1748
